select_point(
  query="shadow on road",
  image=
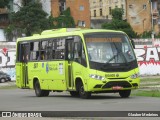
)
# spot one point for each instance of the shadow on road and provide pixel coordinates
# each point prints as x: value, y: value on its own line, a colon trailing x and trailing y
x: 93, y: 97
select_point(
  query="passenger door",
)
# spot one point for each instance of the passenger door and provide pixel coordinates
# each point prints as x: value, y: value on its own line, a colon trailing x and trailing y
x: 22, y: 66
x: 70, y: 48
x: 76, y: 61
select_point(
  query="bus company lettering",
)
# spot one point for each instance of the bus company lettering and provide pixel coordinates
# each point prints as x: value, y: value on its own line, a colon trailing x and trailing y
x: 110, y: 75
x: 35, y: 65
x: 103, y: 39
x: 53, y: 67
x: 148, y: 55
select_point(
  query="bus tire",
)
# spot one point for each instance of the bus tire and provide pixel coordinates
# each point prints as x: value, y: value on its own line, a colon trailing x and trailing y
x: 38, y: 91
x: 82, y: 93
x: 74, y: 93
x: 46, y: 92
x: 125, y: 93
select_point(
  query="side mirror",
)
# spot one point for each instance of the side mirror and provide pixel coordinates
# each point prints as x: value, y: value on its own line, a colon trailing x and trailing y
x: 133, y: 43
x: 79, y: 49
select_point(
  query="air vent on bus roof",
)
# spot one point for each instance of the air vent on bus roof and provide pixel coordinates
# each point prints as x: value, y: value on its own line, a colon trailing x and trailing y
x: 61, y: 30
x: 36, y: 34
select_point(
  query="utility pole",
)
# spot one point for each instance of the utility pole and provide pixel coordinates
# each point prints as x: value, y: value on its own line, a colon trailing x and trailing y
x: 152, y: 29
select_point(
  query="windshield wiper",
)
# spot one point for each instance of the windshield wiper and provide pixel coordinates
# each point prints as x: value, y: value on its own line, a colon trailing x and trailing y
x: 112, y: 58
x: 119, y: 52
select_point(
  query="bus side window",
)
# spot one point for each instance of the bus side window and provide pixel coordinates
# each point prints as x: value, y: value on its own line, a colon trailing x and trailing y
x: 79, y: 54
x: 53, y: 49
x: 60, y: 48
x: 31, y: 51
x: 42, y: 55
x: 48, y: 55
x: 20, y: 56
x: 84, y: 62
x: 43, y: 47
x: 34, y: 51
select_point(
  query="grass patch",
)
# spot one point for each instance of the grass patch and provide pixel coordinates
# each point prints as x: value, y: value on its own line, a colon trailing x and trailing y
x: 149, y: 87
x: 150, y: 80
x: 150, y: 84
x: 8, y: 87
x: 147, y: 93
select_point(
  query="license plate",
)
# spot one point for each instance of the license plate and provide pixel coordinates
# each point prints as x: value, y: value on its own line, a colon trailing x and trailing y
x: 117, y: 88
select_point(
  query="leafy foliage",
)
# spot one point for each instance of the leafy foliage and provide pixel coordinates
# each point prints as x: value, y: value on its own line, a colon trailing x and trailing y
x: 64, y: 20
x: 4, y: 3
x: 26, y: 2
x: 146, y: 34
x: 117, y: 13
x: 118, y: 24
x: 29, y: 19
x: 12, y: 32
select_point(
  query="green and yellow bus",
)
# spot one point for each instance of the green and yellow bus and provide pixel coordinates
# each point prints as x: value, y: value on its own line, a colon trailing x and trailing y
x: 81, y: 61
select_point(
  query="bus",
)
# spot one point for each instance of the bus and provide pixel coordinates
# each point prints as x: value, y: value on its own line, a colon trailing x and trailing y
x: 81, y: 61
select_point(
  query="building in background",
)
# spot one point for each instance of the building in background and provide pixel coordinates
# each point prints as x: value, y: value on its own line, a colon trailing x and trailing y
x: 80, y: 10
x: 101, y: 11
x: 143, y: 15
x: 155, y: 16
x: 46, y: 6
x: 4, y: 20
x: 139, y: 15
x: 14, y: 5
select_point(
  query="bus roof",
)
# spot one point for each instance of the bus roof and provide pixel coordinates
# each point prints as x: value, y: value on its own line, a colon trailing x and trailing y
x: 64, y: 32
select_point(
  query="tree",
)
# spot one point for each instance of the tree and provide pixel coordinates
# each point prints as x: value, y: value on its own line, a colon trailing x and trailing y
x: 29, y: 19
x: 4, y: 3
x: 117, y: 23
x: 117, y: 13
x: 63, y: 20
x: 146, y: 34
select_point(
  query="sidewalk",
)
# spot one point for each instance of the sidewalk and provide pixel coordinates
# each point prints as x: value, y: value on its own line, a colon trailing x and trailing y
x: 149, y: 76
x: 12, y: 83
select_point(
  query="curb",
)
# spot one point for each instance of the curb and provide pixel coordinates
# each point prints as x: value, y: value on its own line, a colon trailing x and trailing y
x: 12, y: 83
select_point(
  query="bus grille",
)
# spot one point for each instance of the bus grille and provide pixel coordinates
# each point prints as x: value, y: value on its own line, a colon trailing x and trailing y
x: 123, y: 84
x: 98, y: 86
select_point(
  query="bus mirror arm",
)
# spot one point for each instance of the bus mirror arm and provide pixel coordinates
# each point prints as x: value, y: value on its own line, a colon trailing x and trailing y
x: 132, y: 42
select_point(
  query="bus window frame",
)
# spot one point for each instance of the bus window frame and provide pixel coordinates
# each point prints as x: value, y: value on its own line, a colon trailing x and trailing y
x: 82, y: 49
x: 54, y: 40
x: 19, y: 53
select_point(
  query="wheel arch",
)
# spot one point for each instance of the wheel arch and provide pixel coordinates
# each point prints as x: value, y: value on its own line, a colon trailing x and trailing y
x: 78, y: 81
x: 34, y: 81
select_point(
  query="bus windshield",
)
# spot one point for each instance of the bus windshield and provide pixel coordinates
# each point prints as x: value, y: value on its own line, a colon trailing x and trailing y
x: 109, y: 49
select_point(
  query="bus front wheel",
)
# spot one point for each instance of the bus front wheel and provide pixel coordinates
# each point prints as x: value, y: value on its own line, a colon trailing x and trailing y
x: 74, y: 93
x: 83, y: 94
x: 38, y: 91
x: 125, y: 93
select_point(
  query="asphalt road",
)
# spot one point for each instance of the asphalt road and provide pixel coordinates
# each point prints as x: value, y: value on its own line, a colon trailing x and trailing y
x: 25, y: 100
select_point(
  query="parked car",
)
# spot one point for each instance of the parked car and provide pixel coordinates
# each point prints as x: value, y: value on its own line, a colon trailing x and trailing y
x: 4, y: 77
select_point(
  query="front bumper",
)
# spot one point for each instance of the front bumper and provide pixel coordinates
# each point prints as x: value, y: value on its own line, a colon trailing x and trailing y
x: 110, y: 85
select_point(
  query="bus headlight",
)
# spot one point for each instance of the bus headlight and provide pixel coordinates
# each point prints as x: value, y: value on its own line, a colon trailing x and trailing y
x: 97, y: 77
x: 134, y: 76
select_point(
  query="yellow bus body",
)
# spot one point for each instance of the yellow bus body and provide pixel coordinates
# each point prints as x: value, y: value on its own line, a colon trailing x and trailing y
x: 54, y: 75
